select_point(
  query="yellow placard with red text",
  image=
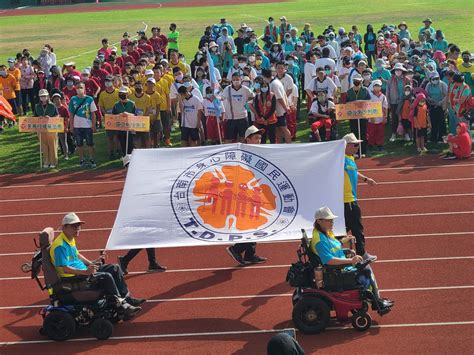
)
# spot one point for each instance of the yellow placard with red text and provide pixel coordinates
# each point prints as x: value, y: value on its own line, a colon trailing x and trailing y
x: 126, y: 122
x: 41, y: 124
x: 358, y: 110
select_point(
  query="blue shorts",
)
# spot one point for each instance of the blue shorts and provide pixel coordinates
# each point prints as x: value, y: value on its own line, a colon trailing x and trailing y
x: 82, y: 134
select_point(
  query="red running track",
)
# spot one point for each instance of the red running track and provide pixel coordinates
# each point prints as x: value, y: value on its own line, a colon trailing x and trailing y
x: 419, y: 221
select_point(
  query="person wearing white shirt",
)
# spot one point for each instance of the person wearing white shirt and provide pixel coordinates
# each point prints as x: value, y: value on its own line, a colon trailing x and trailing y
x: 282, y: 106
x: 191, y: 111
x: 325, y: 60
x: 321, y: 82
x: 333, y: 43
x: 323, y: 44
x: 225, y: 38
x: 235, y: 97
x: 309, y: 69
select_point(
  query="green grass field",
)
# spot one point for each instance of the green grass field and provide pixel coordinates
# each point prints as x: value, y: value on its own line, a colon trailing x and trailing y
x: 78, y: 35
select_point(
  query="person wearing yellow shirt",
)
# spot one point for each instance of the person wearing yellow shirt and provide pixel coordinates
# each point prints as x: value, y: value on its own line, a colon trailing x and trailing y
x: 107, y: 100
x: 162, y: 87
x: 13, y: 70
x: 156, y: 127
x: 176, y: 63
x: 143, y: 106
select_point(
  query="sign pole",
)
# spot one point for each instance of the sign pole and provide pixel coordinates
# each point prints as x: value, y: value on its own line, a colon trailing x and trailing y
x: 360, y: 144
x: 126, y: 144
x: 41, y: 153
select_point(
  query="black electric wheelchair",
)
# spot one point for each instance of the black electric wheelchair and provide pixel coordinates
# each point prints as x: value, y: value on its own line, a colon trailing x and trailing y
x: 74, y: 301
x: 338, y: 291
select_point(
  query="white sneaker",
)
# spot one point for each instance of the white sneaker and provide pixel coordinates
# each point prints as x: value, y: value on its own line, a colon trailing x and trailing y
x: 407, y: 138
x: 425, y: 149
x: 393, y: 137
x: 45, y: 166
x: 52, y: 166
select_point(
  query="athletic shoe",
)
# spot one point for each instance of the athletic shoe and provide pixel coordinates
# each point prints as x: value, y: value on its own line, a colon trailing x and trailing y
x: 123, y: 265
x: 367, y: 256
x: 418, y: 150
x: 234, y: 255
x: 156, y: 268
x: 135, y: 301
x: 129, y: 309
x: 52, y: 166
x: 45, y: 166
x: 449, y: 157
x: 424, y: 149
x: 168, y: 142
x: 82, y: 163
x: 407, y: 138
x: 93, y: 164
x: 256, y: 260
x: 393, y: 138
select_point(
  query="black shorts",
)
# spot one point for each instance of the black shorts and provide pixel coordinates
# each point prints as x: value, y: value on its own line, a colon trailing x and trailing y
x: 111, y: 134
x: 421, y: 132
x: 82, y: 134
x: 281, y: 121
x: 156, y: 127
x: 189, y: 133
x: 235, y: 128
x: 406, y: 124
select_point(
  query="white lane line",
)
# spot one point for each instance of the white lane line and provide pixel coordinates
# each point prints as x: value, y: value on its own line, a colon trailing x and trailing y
x: 64, y: 184
x: 60, y: 198
x: 412, y: 197
x: 418, y: 167
x: 451, y: 234
x: 419, y: 181
x: 55, y: 213
x: 234, y: 332
x: 113, y: 211
x: 274, y: 295
x: 212, y: 269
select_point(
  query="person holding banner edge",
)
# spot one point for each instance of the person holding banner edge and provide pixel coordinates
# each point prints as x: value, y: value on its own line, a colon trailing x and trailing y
x: 352, y: 212
x: 244, y: 253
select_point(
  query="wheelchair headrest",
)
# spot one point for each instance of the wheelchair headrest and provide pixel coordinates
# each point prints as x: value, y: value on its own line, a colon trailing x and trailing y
x: 46, y: 237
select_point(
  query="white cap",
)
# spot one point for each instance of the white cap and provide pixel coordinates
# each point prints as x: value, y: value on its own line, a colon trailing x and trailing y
x: 324, y: 213
x: 43, y: 92
x: 86, y: 72
x: 149, y: 72
x: 357, y: 77
x: 252, y: 130
x: 71, y: 218
x: 123, y: 90
x: 377, y: 82
x: 350, y: 138
x: 151, y: 80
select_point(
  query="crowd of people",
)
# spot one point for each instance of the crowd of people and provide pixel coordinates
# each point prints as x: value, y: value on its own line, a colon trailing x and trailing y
x: 238, y: 78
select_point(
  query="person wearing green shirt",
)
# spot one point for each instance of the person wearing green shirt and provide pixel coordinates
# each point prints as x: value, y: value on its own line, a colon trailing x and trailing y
x: 48, y: 141
x: 428, y: 27
x: 440, y: 44
x: 381, y: 73
x: 173, y: 38
x: 124, y: 105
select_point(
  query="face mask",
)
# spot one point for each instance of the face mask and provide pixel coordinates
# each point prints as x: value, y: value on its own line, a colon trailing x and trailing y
x: 321, y: 99
x: 377, y: 89
x: 253, y: 40
x: 108, y: 84
x: 264, y: 89
x: 288, y: 40
x: 328, y: 71
x: 379, y: 67
x: 270, y: 23
x: 366, y: 77
x: 209, y: 96
x: 11, y: 65
x: 187, y: 84
x: 138, y: 90
x: 3, y: 73
x: 407, y: 93
x: 258, y: 62
x: 236, y: 82
x: 398, y: 73
x: 242, y: 65
x: 44, y: 99
x: 435, y: 81
x: 256, y: 86
x: 122, y: 96
x: 214, y: 49
x: 80, y: 91
x: 465, y: 59
x: 54, y: 74
x: 246, y: 84
x: 421, y: 103
x: 275, y: 49
x: 235, y: 61
x: 69, y: 84
x: 179, y: 77
x: 403, y: 28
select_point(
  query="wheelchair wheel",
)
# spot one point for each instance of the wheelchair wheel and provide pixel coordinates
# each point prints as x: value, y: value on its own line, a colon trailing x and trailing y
x: 311, y: 315
x: 361, y: 321
x: 59, y: 326
x: 102, y: 328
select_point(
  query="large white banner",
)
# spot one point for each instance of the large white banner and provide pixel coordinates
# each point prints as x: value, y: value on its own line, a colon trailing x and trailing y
x: 227, y: 194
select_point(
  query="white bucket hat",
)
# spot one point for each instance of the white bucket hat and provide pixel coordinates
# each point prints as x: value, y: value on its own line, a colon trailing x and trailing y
x: 324, y: 213
x: 350, y: 138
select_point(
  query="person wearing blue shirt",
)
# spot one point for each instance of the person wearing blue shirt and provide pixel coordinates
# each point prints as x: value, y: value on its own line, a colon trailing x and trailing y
x: 381, y: 73
x: 69, y: 262
x: 329, y: 250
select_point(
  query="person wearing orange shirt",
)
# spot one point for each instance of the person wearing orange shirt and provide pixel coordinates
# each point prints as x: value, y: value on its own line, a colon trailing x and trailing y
x: 421, y: 121
x: 9, y: 84
x: 13, y: 70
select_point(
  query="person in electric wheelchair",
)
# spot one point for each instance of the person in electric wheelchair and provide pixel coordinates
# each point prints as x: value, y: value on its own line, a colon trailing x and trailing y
x: 82, y: 292
x: 330, y: 252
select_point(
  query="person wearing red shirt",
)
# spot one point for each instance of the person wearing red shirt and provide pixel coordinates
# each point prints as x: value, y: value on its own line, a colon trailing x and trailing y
x: 133, y: 53
x: 104, y: 64
x: 156, y: 41
x: 105, y: 50
x: 116, y: 69
x: 69, y: 70
x: 92, y: 86
x: 99, y: 74
x: 125, y: 40
x: 144, y: 46
x: 460, y: 145
x: 64, y: 138
x: 70, y: 89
